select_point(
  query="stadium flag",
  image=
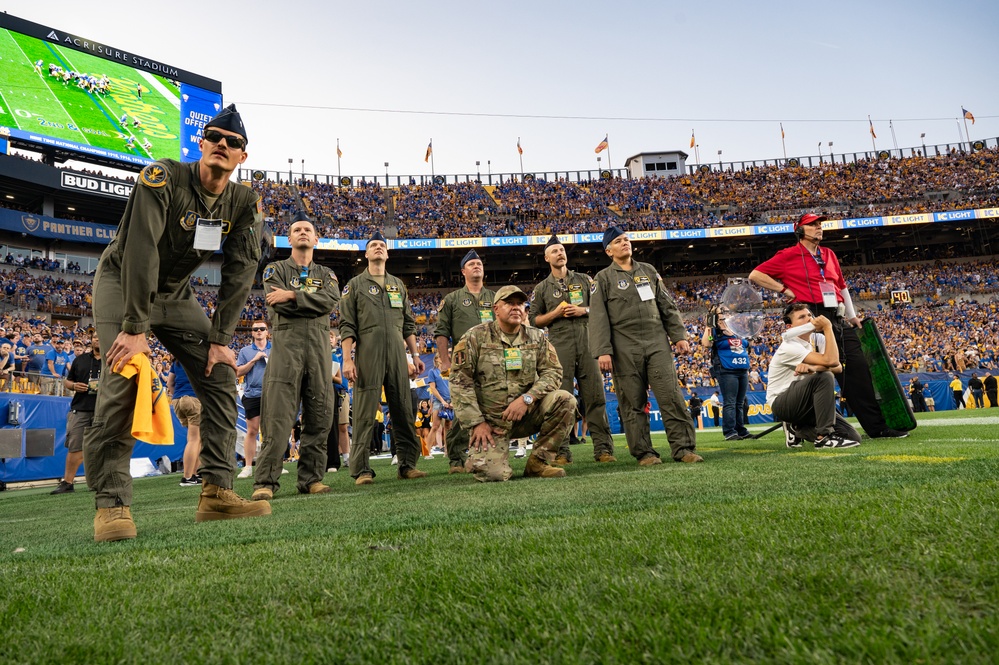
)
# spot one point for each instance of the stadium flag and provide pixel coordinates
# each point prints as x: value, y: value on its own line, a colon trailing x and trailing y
x: 603, y: 145
x: 520, y: 150
x: 968, y: 115
x: 873, y: 135
x: 430, y: 151
x: 782, y: 131
x: 692, y: 142
x: 339, y: 154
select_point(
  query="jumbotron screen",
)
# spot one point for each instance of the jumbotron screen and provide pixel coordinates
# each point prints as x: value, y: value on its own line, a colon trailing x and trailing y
x: 74, y: 94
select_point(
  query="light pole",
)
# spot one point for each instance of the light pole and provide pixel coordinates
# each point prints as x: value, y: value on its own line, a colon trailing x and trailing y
x: 303, y: 170
x: 922, y: 139
x: 832, y: 160
x: 386, y: 174
x: 291, y: 176
x: 719, y: 160
x: 489, y: 166
x: 478, y: 173
x: 820, y: 152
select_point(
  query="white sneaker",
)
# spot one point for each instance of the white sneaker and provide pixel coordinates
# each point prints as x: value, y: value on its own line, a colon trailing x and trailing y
x: 395, y: 460
x: 247, y: 472
x: 429, y: 457
x: 332, y: 469
x: 284, y: 471
x: 521, y: 452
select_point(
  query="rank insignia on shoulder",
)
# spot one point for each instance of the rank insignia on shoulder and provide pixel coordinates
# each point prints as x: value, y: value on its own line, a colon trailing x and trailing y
x: 154, y: 176
x: 268, y: 272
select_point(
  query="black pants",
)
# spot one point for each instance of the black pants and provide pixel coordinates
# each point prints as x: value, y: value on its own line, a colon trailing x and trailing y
x: 809, y: 405
x: 333, y: 438
x: 959, y: 399
x: 855, y: 380
x: 991, y: 395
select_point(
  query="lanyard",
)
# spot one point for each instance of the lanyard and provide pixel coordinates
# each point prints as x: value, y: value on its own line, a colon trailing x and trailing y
x: 819, y: 262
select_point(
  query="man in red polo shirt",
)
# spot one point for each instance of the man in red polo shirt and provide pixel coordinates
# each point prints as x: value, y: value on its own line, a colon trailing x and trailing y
x: 811, y: 274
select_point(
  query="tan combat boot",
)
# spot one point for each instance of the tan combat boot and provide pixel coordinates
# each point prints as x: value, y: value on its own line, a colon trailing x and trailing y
x: 649, y: 460
x: 319, y: 488
x: 113, y: 524
x: 606, y: 457
x: 262, y: 494
x: 562, y: 460
x: 691, y: 458
x: 538, y: 468
x: 217, y: 503
x: 364, y: 479
x: 411, y: 474
x: 456, y: 469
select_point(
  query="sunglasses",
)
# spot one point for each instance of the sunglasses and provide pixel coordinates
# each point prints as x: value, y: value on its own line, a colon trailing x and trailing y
x: 259, y: 329
x: 234, y: 142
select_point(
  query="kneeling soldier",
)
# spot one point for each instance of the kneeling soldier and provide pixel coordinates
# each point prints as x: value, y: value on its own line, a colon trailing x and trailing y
x: 505, y: 385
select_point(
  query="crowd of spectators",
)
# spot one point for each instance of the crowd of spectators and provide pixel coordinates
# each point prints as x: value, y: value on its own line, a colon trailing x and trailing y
x: 760, y: 194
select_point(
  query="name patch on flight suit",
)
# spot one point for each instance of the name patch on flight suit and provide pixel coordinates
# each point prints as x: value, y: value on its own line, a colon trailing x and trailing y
x: 512, y: 360
x: 485, y: 311
x: 312, y: 285
x: 644, y: 287
x: 575, y: 294
x: 395, y: 296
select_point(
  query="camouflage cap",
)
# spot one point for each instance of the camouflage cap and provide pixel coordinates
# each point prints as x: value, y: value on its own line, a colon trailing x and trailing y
x: 510, y: 291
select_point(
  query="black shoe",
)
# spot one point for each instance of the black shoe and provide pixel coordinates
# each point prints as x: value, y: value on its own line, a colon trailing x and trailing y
x: 891, y: 434
x: 64, y: 488
x: 748, y: 436
x: 193, y: 481
x: 791, y: 439
x: 835, y: 441
x: 734, y: 437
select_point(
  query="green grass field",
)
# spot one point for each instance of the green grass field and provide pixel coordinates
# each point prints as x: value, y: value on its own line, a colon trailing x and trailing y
x: 886, y: 553
x: 40, y: 103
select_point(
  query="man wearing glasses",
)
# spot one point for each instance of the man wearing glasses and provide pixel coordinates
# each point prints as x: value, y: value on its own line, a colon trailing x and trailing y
x: 810, y: 274
x: 300, y: 297
x: 177, y: 217
x: 251, y: 363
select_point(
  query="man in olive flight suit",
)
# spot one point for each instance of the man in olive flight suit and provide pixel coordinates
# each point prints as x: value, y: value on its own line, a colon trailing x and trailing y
x: 177, y: 217
x: 300, y: 297
x: 376, y: 321
x: 561, y: 303
x: 632, y: 322
x: 505, y: 385
x: 460, y: 310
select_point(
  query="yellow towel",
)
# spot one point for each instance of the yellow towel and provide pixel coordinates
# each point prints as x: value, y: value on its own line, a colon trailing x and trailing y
x: 151, y: 421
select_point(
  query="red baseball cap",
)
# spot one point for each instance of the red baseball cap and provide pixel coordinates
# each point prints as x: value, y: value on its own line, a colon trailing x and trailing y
x: 809, y: 218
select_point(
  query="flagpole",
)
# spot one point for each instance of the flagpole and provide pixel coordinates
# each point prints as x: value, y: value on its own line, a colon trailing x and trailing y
x: 609, y: 167
x: 870, y: 126
x: 432, y: 175
x: 520, y: 153
x: 966, y: 134
x: 782, y: 144
x: 893, y: 140
x: 338, y: 176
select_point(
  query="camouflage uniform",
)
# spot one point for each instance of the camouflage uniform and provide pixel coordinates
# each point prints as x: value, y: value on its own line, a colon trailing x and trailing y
x: 637, y: 334
x: 459, y: 311
x: 571, y: 342
x: 143, y: 284
x: 298, y: 372
x: 482, y: 387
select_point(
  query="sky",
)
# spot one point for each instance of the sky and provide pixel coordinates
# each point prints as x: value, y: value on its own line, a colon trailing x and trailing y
x: 386, y: 77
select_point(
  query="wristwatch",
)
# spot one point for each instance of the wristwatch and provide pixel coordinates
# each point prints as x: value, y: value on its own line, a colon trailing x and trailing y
x: 528, y: 399
x: 587, y: 309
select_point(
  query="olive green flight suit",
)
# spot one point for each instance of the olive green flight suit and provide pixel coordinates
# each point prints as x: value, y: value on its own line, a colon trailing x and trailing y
x: 571, y: 342
x: 492, y: 369
x: 142, y: 284
x: 637, y: 334
x: 299, y: 371
x: 379, y: 320
x: 458, y: 312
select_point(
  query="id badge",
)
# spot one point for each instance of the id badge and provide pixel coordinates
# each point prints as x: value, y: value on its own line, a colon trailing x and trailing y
x: 828, y: 294
x: 395, y: 299
x: 485, y: 315
x: 512, y: 360
x: 644, y: 288
x: 208, y: 234
x: 575, y: 294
